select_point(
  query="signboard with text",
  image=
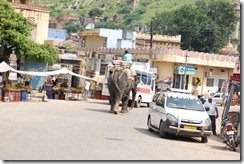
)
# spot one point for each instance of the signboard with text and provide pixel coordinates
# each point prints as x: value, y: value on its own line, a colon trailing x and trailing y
x: 236, y: 73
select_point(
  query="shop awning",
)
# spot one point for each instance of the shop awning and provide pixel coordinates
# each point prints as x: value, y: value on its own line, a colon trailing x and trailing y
x: 4, y: 67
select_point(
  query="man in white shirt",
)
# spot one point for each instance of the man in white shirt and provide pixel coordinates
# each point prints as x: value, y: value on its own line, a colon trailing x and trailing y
x: 87, y: 87
x: 212, y: 111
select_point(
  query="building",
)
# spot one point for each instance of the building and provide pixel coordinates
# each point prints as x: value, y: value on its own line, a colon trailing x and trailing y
x: 38, y: 16
x: 108, y: 38
x: 57, y: 35
x: 161, y: 41
x: 204, y: 71
x: 63, y: 19
x: 194, y: 71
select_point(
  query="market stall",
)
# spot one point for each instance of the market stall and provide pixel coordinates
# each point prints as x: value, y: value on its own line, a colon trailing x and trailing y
x: 13, y: 91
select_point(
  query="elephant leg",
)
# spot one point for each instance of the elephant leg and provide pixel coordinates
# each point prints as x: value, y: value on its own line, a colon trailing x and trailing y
x: 111, y: 107
x: 112, y: 102
x: 117, y: 101
x: 133, y: 99
x: 124, y: 105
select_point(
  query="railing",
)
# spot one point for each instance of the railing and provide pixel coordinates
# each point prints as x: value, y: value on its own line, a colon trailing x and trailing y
x: 174, y: 55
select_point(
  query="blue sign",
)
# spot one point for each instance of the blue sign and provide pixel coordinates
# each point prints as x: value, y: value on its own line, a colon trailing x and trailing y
x: 182, y: 70
x: 190, y: 70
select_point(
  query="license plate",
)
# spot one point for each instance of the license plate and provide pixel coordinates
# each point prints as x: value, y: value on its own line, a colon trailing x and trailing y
x: 190, y: 127
x: 229, y: 132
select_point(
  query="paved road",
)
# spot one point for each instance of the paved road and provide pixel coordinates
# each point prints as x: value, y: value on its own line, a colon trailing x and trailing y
x: 84, y: 130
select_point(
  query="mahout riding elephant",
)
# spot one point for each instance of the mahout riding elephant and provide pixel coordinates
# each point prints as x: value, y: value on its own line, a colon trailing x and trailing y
x: 120, y: 83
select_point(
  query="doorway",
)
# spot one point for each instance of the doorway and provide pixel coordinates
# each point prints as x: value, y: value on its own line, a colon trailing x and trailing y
x: 178, y: 81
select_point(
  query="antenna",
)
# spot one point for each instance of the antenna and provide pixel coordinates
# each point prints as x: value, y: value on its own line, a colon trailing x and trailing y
x: 90, y: 26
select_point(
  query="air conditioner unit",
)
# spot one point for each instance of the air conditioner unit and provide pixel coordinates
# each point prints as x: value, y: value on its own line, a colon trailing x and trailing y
x: 208, y: 73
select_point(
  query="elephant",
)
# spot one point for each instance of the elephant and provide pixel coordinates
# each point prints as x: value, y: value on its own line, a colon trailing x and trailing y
x: 120, y: 83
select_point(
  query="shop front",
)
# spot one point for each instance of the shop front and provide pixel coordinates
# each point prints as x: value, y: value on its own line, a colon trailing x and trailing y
x: 181, y: 76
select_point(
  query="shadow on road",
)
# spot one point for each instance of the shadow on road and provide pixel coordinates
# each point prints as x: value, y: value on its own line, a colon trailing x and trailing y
x: 97, y: 110
x: 225, y: 148
x: 169, y: 137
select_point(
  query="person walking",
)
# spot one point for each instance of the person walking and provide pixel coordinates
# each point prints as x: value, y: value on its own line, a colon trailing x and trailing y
x: 128, y: 58
x: 224, y: 99
x: 87, y: 87
x: 234, y: 98
x: 213, y: 113
x: 207, y: 94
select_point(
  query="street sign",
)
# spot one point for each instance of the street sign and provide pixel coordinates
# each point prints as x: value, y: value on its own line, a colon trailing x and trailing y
x: 182, y: 70
x: 190, y: 70
x: 198, y: 81
x: 236, y: 77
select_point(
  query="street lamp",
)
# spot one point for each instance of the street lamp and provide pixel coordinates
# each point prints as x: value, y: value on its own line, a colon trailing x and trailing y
x: 184, y: 76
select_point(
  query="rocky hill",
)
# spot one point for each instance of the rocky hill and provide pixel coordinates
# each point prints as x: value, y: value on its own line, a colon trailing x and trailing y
x: 124, y: 12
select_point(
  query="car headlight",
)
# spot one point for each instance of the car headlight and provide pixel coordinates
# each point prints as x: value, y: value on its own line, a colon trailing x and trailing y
x: 171, y: 118
x: 207, y: 121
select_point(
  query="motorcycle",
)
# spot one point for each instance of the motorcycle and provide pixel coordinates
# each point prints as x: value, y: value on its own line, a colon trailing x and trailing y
x: 229, y: 134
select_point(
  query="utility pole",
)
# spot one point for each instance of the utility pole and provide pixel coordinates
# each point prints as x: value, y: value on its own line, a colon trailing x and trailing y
x: 184, y: 76
x: 151, y: 38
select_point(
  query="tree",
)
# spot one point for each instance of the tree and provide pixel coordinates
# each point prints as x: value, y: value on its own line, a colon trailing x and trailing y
x: 203, y: 27
x: 14, y: 33
x: 95, y: 12
x: 73, y: 28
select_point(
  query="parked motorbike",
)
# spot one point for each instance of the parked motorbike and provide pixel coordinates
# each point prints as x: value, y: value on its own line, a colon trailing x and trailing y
x: 229, y: 134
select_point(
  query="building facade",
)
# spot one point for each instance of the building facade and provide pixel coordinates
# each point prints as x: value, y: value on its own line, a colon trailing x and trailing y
x: 108, y: 38
x: 204, y: 71
x: 39, y: 18
x: 160, y: 41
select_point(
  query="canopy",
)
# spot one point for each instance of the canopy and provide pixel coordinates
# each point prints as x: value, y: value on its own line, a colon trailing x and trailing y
x: 4, y: 67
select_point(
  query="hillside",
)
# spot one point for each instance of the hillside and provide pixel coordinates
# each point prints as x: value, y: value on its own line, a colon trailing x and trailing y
x: 124, y: 12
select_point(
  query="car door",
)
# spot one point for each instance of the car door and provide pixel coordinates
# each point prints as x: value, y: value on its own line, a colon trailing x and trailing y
x: 152, y: 108
x: 160, y: 105
x: 218, y: 98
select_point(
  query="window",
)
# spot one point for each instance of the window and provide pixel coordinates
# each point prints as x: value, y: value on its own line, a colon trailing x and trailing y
x: 155, y: 97
x: 217, y: 96
x: 210, y: 82
x: 32, y: 20
x: 221, y: 82
x: 160, y: 100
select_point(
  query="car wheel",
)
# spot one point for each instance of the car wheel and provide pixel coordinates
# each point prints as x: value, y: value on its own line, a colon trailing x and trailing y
x: 138, y: 102
x: 148, y: 104
x: 204, y: 139
x: 162, y: 133
x: 149, y: 126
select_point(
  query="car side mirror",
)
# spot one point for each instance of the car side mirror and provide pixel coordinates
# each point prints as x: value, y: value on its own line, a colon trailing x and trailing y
x: 160, y: 103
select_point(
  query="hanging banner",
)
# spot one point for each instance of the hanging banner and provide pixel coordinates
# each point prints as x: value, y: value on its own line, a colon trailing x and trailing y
x: 224, y: 87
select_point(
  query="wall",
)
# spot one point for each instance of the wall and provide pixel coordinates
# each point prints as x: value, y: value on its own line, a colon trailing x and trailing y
x: 165, y: 69
x: 39, y: 18
x: 95, y: 41
x: 114, y: 35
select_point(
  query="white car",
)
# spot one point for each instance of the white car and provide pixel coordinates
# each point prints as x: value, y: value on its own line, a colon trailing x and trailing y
x: 178, y: 112
x: 218, y: 98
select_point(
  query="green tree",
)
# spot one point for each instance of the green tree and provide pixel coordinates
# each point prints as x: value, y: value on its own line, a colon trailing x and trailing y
x: 73, y: 28
x: 14, y: 33
x: 95, y: 12
x: 203, y: 27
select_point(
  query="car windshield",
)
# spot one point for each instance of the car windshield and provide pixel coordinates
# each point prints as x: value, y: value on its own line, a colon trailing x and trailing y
x: 181, y: 102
